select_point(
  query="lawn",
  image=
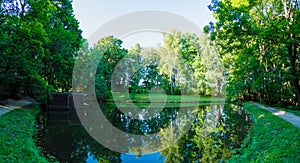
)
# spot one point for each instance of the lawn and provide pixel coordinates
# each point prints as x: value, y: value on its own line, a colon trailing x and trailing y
x: 17, y: 131
x: 270, y: 139
x: 161, y: 98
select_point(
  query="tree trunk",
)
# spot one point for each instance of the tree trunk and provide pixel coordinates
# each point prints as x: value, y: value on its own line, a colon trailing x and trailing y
x: 171, y: 85
x: 292, y: 49
x: 219, y: 85
x: 292, y: 53
x: 297, y: 89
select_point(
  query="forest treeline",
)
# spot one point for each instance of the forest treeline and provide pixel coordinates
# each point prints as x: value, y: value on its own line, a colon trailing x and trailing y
x: 259, y: 43
x: 184, y: 64
x: 251, y: 49
x: 39, y: 41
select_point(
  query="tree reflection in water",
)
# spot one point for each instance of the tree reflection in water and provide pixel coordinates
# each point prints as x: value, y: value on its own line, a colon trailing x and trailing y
x: 215, y: 132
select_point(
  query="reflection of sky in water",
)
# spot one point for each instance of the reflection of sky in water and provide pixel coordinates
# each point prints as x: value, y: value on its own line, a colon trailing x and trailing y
x: 216, y: 124
x: 126, y: 158
x: 154, y: 157
x: 90, y: 159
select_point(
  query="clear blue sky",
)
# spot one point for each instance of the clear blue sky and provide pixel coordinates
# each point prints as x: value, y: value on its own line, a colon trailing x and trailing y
x: 92, y: 14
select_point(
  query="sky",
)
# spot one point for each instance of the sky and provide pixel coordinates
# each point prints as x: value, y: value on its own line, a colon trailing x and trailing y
x: 93, y: 14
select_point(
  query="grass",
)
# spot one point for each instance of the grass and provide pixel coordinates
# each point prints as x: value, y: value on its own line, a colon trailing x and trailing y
x: 270, y: 139
x: 17, y: 131
x: 159, y: 98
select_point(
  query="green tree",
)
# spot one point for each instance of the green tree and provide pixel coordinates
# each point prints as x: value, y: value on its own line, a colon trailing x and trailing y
x: 22, y: 40
x: 134, y: 78
x: 209, y: 66
x: 111, y: 52
x: 39, y: 40
x: 177, y: 56
x: 262, y: 38
x: 65, y: 40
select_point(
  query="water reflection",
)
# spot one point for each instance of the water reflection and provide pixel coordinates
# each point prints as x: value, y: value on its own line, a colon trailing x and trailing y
x: 215, y: 131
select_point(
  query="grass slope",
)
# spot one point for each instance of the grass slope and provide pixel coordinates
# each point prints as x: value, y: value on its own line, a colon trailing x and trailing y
x: 17, y: 129
x: 270, y: 139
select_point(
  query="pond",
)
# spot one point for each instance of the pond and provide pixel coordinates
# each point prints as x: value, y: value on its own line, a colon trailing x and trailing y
x: 213, y: 131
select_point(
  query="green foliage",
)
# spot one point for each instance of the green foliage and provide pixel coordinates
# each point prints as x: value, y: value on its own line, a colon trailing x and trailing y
x: 17, y: 131
x: 112, y: 53
x: 210, y: 138
x: 176, y: 60
x: 98, y: 64
x: 185, y: 64
x: 209, y: 66
x: 38, y: 43
x: 271, y: 139
x: 239, y: 3
x: 260, y: 47
x: 185, y: 61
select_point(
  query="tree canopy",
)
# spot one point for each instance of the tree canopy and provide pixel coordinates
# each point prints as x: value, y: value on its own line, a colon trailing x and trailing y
x: 38, y: 44
x: 259, y: 43
x: 252, y: 47
x: 185, y: 63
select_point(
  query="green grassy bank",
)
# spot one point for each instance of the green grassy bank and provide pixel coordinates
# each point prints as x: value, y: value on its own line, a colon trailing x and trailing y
x: 270, y: 139
x: 147, y: 98
x: 163, y: 101
x: 17, y: 130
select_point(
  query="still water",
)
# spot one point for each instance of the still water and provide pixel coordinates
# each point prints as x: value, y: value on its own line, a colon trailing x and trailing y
x: 214, y: 131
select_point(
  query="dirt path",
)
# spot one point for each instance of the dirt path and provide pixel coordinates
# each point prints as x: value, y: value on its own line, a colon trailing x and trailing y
x: 290, y: 117
x: 13, y: 104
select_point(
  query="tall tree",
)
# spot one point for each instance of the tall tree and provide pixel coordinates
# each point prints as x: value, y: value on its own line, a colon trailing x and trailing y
x: 65, y: 40
x: 177, y: 56
x: 22, y: 40
x: 111, y: 52
x: 263, y: 38
x: 210, y: 66
x: 39, y: 40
